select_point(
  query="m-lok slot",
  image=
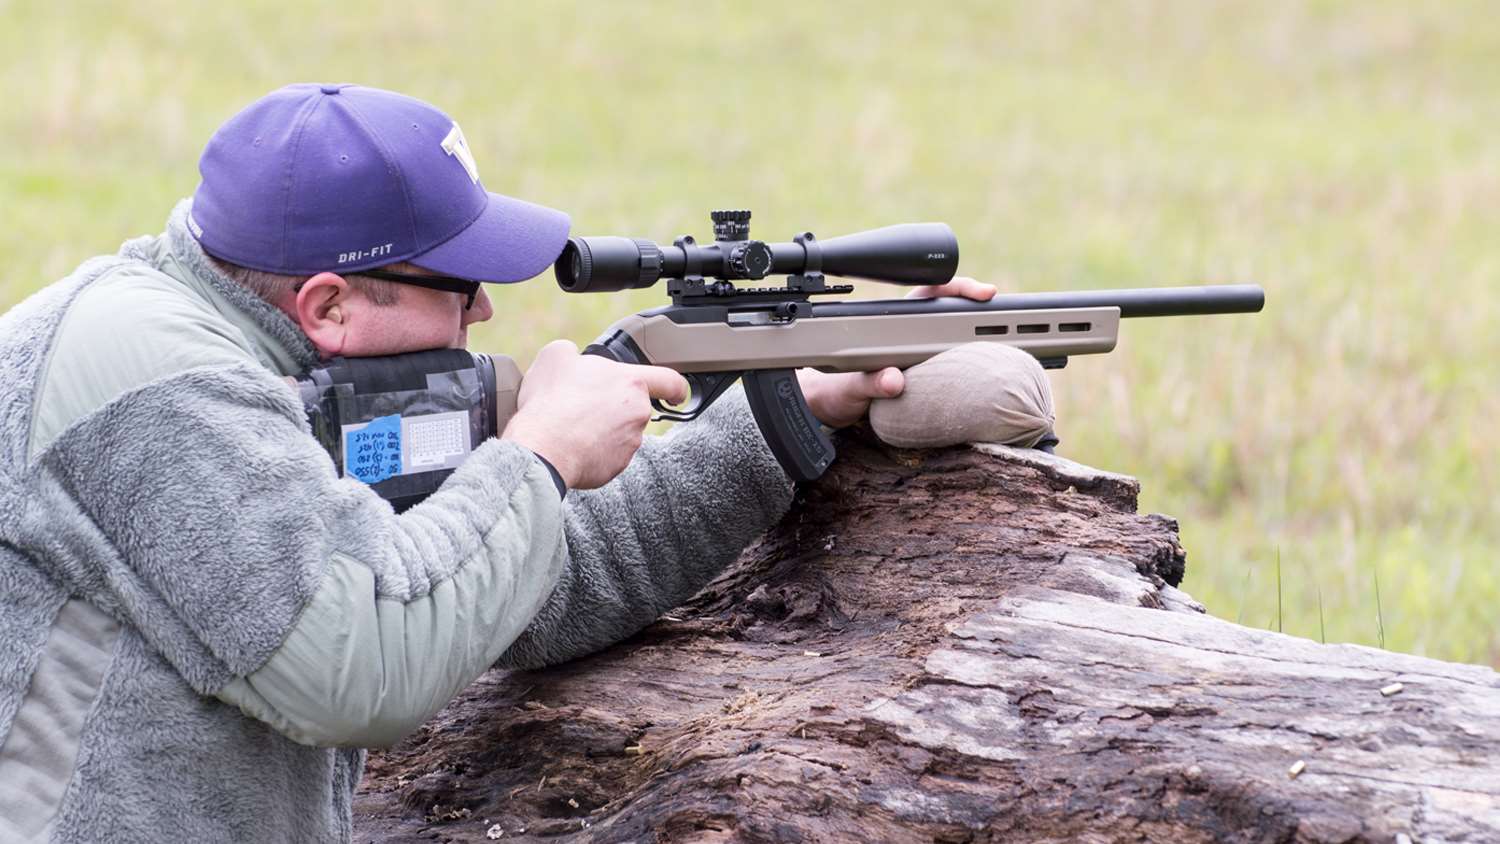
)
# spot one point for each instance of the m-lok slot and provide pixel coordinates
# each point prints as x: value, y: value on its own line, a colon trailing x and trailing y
x: 1034, y: 328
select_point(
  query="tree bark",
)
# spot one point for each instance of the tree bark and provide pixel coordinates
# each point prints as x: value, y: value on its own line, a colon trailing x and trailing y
x: 968, y: 644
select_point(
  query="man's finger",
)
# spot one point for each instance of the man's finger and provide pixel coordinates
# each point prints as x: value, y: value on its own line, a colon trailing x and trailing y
x: 963, y: 286
x: 666, y: 384
x: 881, y: 384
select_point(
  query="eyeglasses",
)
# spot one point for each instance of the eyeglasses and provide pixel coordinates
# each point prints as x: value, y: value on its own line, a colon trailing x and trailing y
x: 446, y: 283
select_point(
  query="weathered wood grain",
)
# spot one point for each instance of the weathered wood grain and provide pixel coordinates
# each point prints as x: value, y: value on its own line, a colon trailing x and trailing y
x: 959, y: 645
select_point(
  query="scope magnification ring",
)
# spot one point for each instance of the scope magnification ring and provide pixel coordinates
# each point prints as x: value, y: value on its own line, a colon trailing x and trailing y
x: 650, y: 262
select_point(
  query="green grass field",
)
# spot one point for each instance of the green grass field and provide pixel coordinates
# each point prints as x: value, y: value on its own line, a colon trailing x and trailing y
x: 1342, y: 154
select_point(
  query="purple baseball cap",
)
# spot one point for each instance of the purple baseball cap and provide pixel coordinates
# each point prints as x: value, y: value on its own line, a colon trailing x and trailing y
x: 345, y: 178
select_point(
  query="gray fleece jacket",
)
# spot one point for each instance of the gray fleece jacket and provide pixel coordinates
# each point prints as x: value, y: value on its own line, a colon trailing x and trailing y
x: 201, y: 623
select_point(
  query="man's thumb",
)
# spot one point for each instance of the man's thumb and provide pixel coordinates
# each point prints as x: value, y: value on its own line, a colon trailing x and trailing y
x: 553, y: 353
x: 889, y: 383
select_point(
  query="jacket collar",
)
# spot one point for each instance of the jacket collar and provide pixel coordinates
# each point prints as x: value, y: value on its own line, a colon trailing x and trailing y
x: 278, y: 342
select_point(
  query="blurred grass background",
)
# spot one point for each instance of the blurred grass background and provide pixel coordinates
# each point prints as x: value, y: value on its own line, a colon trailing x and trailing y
x: 1342, y: 154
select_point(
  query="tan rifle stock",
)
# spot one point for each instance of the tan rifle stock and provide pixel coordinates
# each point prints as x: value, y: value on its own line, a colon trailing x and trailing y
x: 861, y: 343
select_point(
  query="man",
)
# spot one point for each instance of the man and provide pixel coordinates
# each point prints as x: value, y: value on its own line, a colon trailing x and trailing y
x: 200, y: 622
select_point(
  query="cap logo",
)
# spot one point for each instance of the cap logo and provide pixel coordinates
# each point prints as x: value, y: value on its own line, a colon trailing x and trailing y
x: 455, y: 145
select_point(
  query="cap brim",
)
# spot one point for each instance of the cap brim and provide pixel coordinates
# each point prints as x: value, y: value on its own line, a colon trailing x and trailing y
x: 511, y: 240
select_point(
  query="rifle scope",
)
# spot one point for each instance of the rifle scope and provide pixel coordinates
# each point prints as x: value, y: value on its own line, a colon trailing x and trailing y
x: 909, y: 253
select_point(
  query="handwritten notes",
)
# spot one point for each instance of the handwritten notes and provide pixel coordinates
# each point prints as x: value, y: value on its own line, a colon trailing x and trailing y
x: 373, y: 453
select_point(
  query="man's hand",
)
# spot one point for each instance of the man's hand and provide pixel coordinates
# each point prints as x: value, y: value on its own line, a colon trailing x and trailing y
x: 962, y: 286
x: 585, y: 414
x: 840, y: 399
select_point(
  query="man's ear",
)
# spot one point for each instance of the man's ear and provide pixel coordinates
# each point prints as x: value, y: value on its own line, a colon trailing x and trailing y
x: 322, y: 312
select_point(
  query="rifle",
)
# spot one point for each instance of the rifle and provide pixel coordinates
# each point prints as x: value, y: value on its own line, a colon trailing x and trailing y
x: 403, y: 423
x: 715, y: 332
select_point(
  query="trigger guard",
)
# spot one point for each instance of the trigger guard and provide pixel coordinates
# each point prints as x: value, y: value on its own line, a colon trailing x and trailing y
x: 670, y: 413
x: 704, y: 389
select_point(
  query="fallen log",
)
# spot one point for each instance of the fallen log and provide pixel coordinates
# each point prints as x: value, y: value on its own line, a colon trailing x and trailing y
x: 966, y: 644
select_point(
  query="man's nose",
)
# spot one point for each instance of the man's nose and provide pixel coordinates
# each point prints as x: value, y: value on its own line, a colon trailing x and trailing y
x: 483, y: 309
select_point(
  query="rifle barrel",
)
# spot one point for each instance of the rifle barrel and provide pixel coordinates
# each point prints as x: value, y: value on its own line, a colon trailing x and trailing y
x: 1141, y: 302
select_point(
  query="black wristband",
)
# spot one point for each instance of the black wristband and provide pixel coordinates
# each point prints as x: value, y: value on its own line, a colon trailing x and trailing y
x: 562, y: 488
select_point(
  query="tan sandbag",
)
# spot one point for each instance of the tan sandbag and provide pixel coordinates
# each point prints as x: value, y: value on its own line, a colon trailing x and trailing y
x: 979, y: 392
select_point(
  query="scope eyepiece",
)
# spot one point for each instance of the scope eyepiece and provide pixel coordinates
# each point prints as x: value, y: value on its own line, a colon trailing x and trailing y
x: 607, y: 264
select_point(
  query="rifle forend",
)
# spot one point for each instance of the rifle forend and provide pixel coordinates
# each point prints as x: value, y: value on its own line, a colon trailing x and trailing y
x: 715, y: 333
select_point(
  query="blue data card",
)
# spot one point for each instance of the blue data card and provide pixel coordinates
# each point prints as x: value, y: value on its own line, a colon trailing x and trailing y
x: 373, y: 453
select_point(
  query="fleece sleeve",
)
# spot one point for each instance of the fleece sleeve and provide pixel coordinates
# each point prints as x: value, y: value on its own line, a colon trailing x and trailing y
x: 685, y: 508
x: 197, y: 509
